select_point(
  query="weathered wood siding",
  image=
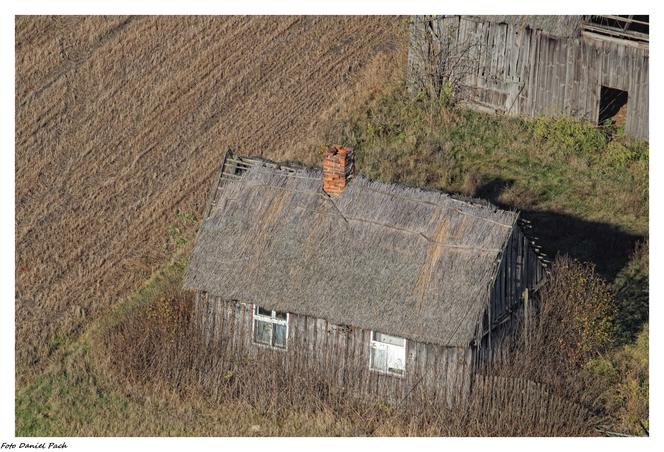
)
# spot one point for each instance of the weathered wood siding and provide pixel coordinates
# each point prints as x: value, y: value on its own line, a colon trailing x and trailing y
x: 520, y: 269
x: 518, y: 70
x: 342, y: 353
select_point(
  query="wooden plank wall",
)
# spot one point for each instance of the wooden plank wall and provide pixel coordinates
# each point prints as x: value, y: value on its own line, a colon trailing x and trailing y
x: 520, y: 268
x: 342, y: 353
x: 516, y: 70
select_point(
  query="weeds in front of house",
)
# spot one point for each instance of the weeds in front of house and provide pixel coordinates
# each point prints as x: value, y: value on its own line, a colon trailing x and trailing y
x: 152, y: 362
x: 165, y: 345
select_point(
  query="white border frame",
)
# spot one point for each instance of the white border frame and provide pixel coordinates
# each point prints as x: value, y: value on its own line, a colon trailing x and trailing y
x: 112, y: 444
x: 387, y: 372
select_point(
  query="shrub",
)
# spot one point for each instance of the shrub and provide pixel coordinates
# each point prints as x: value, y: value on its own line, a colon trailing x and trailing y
x: 577, y: 306
x: 620, y: 152
x: 570, y: 136
x: 573, y: 323
x: 160, y: 347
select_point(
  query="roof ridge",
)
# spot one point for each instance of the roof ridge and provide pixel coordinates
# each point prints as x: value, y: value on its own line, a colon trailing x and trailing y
x: 481, y: 204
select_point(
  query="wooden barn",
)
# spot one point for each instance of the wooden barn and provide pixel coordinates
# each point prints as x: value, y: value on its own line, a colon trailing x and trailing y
x: 591, y: 67
x: 382, y: 286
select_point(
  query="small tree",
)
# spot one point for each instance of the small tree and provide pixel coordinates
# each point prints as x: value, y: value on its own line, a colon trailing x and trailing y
x: 439, y: 62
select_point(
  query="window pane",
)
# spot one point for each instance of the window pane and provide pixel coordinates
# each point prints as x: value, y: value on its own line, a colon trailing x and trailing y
x: 263, y: 311
x: 262, y: 332
x: 280, y: 315
x: 378, y: 358
x: 396, y: 357
x: 387, y: 339
x: 279, y: 335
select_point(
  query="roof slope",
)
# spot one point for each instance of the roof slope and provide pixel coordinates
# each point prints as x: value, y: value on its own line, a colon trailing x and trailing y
x: 380, y: 256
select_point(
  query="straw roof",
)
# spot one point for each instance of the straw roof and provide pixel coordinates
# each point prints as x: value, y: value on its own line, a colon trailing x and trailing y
x: 399, y: 260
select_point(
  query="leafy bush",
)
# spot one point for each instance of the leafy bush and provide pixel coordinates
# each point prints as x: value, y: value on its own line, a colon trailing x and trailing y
x: 620, y: 152
x: 577, y: 312
x: 569, y: 135
x: 573, y: 323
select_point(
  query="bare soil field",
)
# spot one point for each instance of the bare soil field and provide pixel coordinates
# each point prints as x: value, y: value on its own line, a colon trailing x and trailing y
x: 122, y: 121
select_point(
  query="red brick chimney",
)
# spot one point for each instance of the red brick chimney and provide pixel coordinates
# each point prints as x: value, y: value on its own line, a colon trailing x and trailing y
x: 338, y: 169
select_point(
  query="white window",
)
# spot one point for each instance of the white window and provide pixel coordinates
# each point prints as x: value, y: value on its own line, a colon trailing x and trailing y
x: 270, y: 327
x: 388, y: 353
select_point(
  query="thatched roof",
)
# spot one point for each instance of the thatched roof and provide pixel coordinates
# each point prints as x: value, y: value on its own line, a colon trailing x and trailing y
x: 561, y: 26
x: 394, y: 259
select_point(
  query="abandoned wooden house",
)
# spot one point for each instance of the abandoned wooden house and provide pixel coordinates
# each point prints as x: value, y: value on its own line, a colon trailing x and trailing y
x: 591, y: 67
x: 380, y: 285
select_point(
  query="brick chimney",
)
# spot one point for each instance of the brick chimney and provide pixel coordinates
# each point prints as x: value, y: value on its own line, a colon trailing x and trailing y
x: 338, y: 169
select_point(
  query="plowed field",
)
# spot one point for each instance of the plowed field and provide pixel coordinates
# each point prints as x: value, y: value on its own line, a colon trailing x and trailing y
x: 121, y: 122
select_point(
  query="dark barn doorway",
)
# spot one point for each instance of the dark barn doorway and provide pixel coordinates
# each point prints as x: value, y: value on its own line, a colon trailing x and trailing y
x: 612, y: 106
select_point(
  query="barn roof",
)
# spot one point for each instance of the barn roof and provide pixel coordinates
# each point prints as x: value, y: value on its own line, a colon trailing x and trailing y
x: 556, y: 25
x: 399, y: 260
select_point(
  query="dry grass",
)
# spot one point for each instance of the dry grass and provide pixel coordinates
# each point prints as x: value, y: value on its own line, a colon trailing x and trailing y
x: 122, y: 121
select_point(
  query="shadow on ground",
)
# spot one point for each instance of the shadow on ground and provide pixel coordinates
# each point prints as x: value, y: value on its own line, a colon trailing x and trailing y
x: 605, y: 245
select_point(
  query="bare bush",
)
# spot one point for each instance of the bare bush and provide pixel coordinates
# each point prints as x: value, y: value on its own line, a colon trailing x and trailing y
x: 439, y: 62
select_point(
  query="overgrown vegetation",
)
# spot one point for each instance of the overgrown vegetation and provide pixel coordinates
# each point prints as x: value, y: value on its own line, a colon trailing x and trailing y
x: 632, y: 294
x: 575, y: 323
x: 621, y: 379
x: 149, y: 361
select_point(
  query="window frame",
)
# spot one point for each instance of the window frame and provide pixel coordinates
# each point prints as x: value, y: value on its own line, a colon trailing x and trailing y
x: 385, y: 345
x: 271, y: 319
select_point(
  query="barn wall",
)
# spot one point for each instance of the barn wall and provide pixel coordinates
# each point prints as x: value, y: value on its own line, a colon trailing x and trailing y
x: 342, y: 353
x: 520, y: 268
x: 516, y: 70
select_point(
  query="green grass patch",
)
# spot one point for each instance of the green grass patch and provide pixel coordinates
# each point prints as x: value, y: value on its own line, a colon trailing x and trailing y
x: 67, y: 401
